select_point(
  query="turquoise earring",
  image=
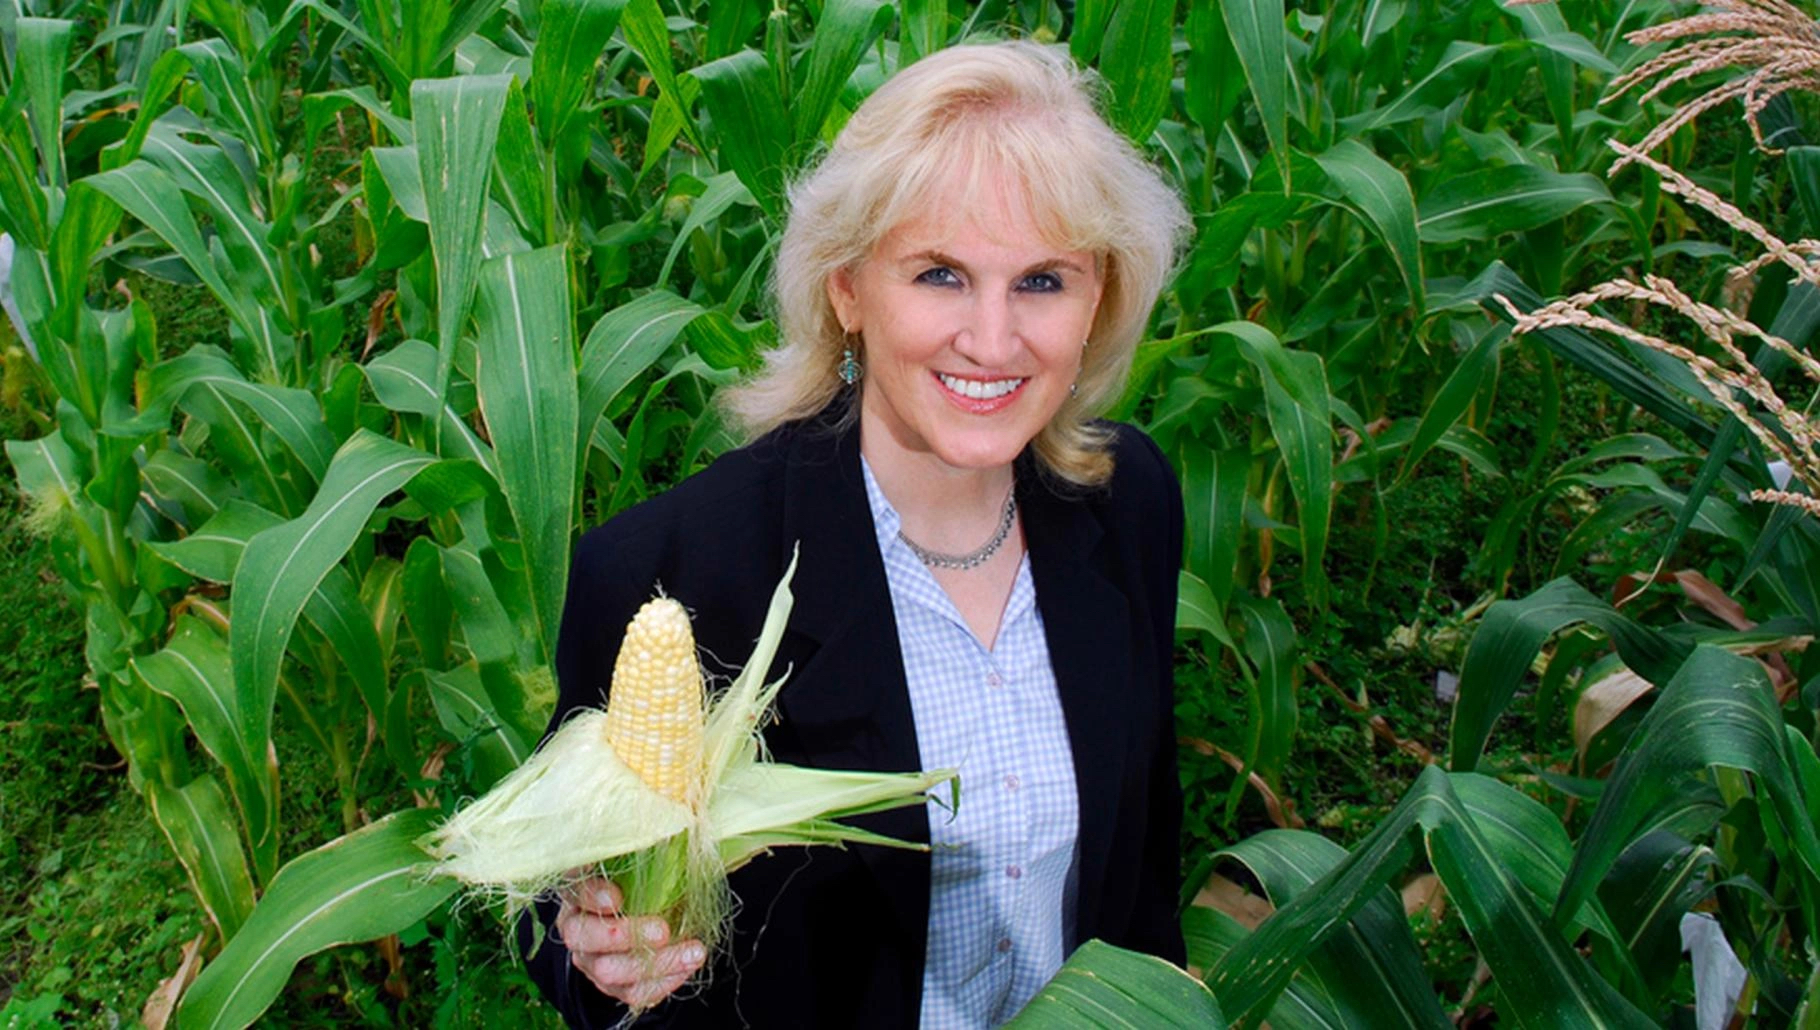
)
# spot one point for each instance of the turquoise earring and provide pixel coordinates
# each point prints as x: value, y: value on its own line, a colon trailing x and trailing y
x: 849, y: 370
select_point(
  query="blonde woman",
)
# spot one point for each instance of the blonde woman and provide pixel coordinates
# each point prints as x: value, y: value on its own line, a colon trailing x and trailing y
x: 987, y: 576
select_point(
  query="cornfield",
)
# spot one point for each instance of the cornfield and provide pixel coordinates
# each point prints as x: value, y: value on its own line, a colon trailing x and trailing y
x: 479, y: 269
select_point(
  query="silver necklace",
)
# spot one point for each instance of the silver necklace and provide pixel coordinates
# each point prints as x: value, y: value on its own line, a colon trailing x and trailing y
x: 972, y: 559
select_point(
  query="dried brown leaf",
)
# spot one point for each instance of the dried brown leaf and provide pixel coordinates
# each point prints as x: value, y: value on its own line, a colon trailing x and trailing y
x: 1603, y: 701
x: 158, y: 1008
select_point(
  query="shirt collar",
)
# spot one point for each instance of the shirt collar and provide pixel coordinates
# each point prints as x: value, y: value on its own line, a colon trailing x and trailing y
x: 885, y: 520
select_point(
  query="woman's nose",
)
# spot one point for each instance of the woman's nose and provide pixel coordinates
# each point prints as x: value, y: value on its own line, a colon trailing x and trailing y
x: 990, y: 338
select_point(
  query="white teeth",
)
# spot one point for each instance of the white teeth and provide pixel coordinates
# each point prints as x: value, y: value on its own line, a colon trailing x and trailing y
x: 980, y: 390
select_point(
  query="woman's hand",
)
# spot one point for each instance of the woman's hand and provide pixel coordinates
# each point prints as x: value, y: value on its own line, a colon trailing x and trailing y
x: 630, y: 959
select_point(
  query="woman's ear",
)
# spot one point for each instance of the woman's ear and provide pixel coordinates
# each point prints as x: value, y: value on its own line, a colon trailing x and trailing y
x: 844, y: 298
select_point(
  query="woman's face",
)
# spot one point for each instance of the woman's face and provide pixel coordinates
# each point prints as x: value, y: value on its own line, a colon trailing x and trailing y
x: 973, y: 330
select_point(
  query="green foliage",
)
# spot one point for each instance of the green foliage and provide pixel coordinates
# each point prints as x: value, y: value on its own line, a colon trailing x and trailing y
x: 422, y: 288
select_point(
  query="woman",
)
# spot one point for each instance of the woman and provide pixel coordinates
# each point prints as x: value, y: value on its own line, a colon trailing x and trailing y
x: 987, y: 577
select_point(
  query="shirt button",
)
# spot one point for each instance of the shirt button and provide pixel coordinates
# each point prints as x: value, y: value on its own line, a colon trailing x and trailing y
x: 1014, y: 872
x: 993, y: 679
x: 1011, y: 781
x: 1004, y: 945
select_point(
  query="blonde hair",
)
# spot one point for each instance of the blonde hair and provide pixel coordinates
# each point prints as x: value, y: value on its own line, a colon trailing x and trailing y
x: 1014, y: 107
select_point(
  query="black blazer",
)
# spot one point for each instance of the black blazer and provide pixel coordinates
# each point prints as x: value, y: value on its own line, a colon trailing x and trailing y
x: 825, y: 937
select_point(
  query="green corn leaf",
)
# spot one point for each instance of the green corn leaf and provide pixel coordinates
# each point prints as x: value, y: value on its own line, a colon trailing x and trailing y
x: 1380, y: 195
x: 521, y: 185
x: 1212, y: 77
x: 924, y: 28
x: 466, y: 711
x: 1090, y: 17
x: 466, y: 17
x: 193, y: 670
x: 335, y: 611
x: 1270, y: 644
x: 376, y: 51
x: 625, y: 343
x: 730, y: 24
x: 1511, y: 198
x: 147, y: 193
x: 1296, y: 399
x: 398, y: 167
x: 528, y: 391
x: 569, y: 44
x: 486, y: 627
x: 42, y: 56
x: 1718, y: 709
x: 200, y: 828
x: 236, y: 439
x: 403, y: 379
x: 1533, y: 846
x: 1511, y: 634
x: 1370, y: 972
x: 359, y: 887
x: 207, y: 173
x: 214, y: 549
x: 191, y: 483
x: 1545, y: 982
x: 1213, y: 491
x: 1634, y: 384
x: 642, y: 23
x: 1262, y: 45
x: 24, y: 209
x: 1197, y: 609
x: 1101, y: 986
x: 283, y: 565
x: 1305, y: 1003
x: 228, y: 91
x: 1137, y: 62
x: 321, y: 109
x: 740, y: 93
x: 1460, y: 63
x: 721, y: 192
x: 291, y: 415
x: 1653, y: 884
x: 424, y: 595
x: 1454, y: 398
x: 842, y: 34
x: 456, y: 122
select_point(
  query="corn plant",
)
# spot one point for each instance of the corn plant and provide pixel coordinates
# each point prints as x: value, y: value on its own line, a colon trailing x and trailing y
x: 1710, y: 795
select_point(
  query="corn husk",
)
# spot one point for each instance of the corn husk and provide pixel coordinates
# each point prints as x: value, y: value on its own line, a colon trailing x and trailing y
x: 574, y: 809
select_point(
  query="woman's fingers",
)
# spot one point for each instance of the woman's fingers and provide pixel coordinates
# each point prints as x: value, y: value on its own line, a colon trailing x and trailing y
x: 583, y: 931
x: 628, y: 958
x: 598, y: 895
x: 641, y: 972
x: 650, y: 994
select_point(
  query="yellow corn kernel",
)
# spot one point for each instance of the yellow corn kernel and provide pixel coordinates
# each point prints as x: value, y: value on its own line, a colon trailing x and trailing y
x: 654, y: 714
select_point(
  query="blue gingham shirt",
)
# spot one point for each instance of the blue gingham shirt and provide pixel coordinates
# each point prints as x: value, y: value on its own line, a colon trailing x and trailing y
x: 1002, y: 883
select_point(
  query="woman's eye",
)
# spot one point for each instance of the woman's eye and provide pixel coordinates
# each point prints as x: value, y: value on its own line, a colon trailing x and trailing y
x: 939, y: 276
x: 1042, y: 282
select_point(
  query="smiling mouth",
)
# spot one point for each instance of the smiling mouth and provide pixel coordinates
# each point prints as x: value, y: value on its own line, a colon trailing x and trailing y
x: 981, y: 390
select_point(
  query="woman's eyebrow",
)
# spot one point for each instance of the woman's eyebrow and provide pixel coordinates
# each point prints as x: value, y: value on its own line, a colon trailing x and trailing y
x: 936, y: 257
x: 931, y: 257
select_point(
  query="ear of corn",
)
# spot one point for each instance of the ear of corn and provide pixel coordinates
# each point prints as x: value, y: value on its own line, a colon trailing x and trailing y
x: 658, y: 798
x: 654, y: 712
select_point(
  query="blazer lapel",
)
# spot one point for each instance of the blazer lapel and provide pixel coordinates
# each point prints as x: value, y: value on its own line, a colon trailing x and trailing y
x: 847, y: 703
x: 1087, y: 627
